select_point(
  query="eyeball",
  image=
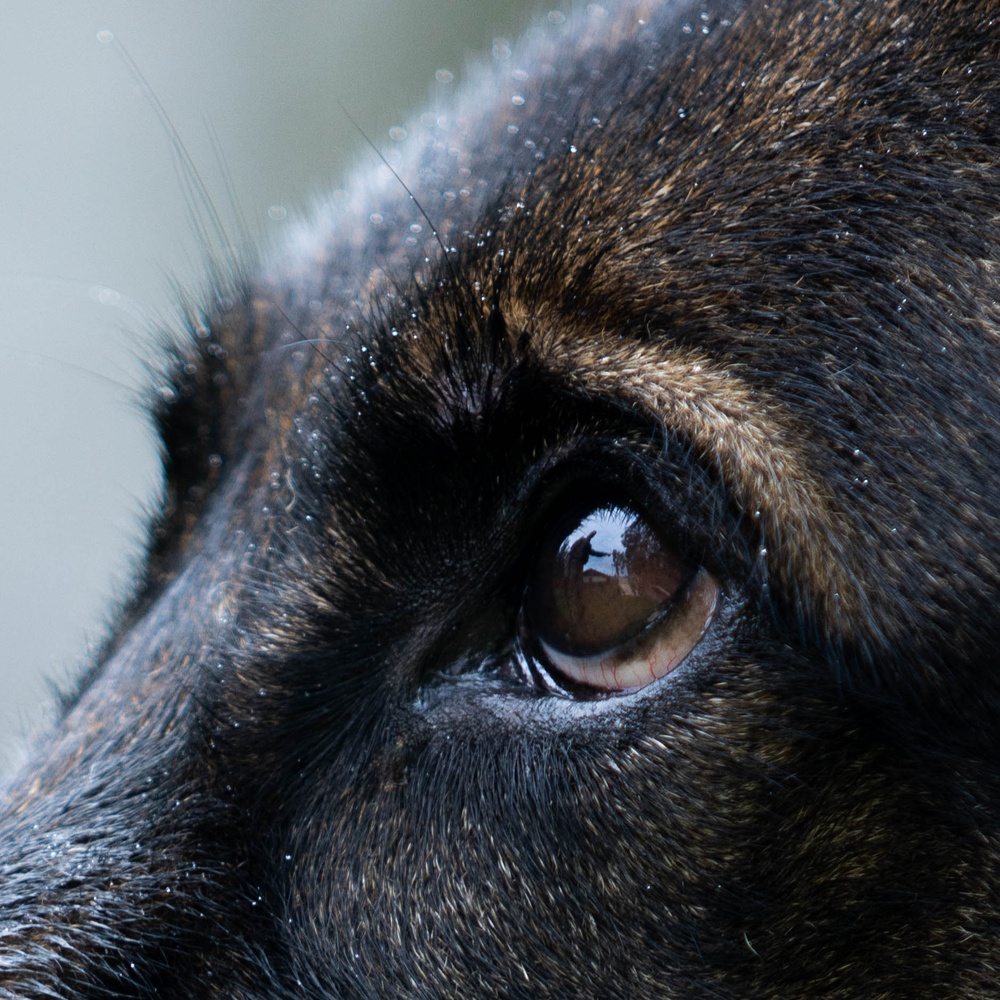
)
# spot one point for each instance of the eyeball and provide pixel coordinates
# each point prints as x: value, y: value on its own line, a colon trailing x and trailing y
x: 610, y: 607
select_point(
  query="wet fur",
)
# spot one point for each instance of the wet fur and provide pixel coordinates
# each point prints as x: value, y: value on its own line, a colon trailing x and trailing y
x: 742, y: 268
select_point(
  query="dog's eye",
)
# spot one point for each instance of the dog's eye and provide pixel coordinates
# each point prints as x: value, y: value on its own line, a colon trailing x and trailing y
x: 609, y: 607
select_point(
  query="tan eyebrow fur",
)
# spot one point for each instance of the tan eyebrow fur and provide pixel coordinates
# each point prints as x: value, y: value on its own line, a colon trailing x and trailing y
x: 750, y: 440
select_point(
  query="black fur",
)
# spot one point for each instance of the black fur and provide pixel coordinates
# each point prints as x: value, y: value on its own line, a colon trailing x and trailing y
x: 736, y: 268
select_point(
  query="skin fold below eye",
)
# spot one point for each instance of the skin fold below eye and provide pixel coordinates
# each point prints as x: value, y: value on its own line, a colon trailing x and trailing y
x: 610, y: 607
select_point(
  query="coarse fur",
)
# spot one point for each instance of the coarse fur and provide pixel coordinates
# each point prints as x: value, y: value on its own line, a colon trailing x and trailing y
x: 738, y: 265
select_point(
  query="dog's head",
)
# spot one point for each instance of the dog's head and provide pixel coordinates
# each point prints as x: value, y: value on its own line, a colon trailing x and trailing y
x: 578, y: 574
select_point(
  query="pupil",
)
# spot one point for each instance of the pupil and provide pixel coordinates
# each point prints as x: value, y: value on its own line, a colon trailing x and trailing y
x: 602, y: 582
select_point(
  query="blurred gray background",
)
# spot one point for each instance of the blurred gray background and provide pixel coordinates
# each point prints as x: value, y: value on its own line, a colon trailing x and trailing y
x: 95, y: 226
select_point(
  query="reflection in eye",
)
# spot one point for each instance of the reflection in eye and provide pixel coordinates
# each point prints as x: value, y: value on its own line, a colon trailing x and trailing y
x: 610, y: 608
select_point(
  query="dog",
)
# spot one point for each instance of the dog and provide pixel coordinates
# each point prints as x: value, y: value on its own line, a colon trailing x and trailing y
x: 577, y: 573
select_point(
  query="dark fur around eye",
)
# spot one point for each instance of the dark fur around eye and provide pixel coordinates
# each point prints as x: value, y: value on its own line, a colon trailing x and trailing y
x: 579, y: 563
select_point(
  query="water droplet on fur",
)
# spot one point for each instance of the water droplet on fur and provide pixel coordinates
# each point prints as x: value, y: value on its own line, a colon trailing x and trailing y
x: 105, y: 296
